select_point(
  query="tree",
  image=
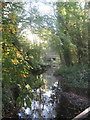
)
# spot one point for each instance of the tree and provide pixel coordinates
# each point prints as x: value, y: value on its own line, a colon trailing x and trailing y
x: 18, y: 80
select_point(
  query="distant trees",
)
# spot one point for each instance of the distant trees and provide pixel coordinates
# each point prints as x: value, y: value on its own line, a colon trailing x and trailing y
x: 66, y: 32
x: 72, y: 30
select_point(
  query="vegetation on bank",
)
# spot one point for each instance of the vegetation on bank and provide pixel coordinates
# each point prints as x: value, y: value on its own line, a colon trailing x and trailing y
x: 75, y: 76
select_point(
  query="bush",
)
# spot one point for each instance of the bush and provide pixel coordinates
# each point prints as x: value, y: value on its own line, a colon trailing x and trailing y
x: 76, y: 76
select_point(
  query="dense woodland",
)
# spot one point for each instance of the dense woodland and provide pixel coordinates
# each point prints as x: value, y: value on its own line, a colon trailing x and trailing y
x: 66, y: 31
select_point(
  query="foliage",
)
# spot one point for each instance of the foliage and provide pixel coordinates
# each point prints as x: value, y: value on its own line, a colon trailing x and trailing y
x: 75, y: 76
x: 18, y: 79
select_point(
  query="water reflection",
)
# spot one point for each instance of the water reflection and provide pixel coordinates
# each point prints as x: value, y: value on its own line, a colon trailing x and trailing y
x: 45, y: 107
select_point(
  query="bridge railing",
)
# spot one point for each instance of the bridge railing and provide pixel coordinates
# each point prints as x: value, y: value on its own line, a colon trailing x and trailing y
x: 83, y: 115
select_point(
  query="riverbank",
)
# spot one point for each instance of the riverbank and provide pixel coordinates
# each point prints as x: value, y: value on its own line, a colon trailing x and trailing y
x: 71, y: 105
x: 72, y: 102
x: 66, y: 87
x: 56, y: 102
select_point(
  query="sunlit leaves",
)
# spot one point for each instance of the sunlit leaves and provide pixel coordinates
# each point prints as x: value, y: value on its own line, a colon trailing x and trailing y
x: 18, y: 59
x: 6, y: 53
x: 19, y: 55
x: 15, y: 61
x: 23, y: 75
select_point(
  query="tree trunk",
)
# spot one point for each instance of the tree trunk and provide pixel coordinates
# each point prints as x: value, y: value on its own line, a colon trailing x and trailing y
x: 67, y: 57
x: 89, y: 43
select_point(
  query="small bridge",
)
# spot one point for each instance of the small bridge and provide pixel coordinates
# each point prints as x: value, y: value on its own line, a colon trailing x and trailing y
x: 52, y: 56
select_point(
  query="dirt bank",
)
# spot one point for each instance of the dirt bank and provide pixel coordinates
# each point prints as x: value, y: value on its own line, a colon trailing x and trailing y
x: 71, y: 103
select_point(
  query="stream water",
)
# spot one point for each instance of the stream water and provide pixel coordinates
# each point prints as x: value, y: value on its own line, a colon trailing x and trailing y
x: 45, y: 107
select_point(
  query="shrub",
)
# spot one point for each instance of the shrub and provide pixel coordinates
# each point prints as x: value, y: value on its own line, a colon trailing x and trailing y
x: 76, y: 75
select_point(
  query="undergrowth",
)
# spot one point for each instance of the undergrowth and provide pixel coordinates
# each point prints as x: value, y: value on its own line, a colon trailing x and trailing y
x: 75, y: 76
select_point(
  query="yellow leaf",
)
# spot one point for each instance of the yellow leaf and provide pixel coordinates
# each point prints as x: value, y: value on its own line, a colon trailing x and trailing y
x: 18, y: 55
x: 23, y: 75
x: 15, y: 61
x: 6, y: 53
